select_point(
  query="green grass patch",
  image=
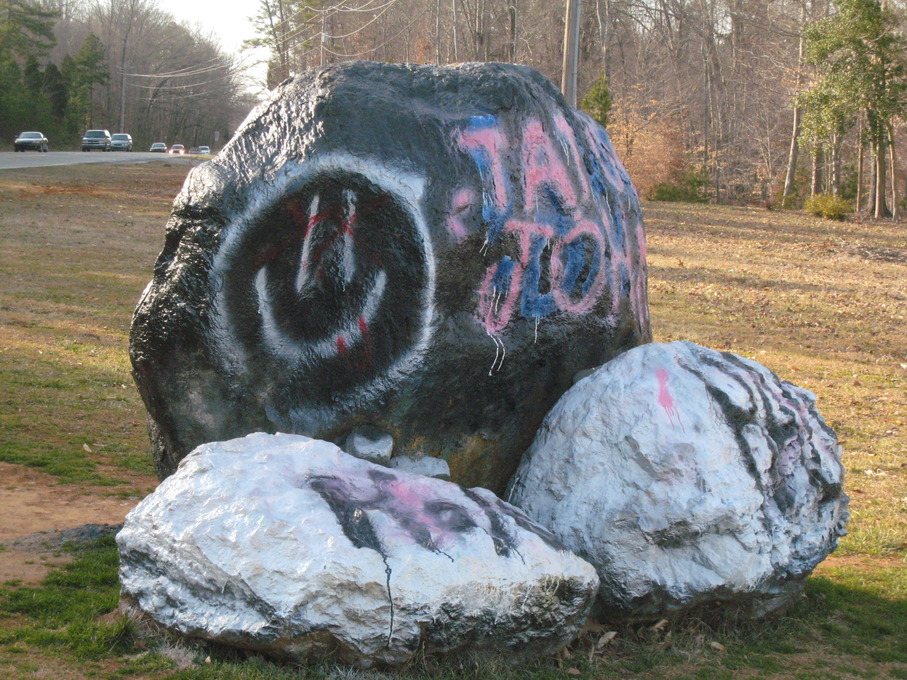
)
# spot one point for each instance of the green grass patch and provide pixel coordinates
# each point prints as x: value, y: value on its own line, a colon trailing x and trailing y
x: 63, y: 611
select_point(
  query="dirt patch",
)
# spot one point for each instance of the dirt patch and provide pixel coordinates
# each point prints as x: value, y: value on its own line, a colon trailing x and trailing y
x: 32, y: 502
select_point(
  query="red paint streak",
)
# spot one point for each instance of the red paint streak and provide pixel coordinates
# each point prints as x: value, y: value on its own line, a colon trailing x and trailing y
x: 665, y: 400
x: 346, y: 226
x: 306, y: 223
x: 341, y: 345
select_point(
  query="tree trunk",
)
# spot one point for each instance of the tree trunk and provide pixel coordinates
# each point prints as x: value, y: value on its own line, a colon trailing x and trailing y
x: 835, y: 164
x: 511, y: 11
x: 792, y: 158
x: 860, y: 166
x: 895, y: 209
x: 815, y: 185
x: 792, y: 155
x: 881, y: 209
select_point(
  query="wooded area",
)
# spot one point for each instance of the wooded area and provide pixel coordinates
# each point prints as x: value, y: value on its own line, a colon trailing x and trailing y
x: 734, y: 101
x: 122, y: 65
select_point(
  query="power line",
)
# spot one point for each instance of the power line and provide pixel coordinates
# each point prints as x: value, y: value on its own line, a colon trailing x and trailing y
x: 378, y: 47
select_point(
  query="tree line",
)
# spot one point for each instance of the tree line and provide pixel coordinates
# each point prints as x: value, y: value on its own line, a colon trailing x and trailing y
x: 704, y: 99
x: 123, y: 65
x: 746, y: 101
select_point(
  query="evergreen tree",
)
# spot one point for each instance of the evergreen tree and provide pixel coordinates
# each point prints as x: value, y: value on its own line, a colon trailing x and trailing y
x: 56, y: 90
x: 25, y: 28
x: 860, y: 65
x: 597, y: 102
x: 32, y: 76
x: 90, y: 69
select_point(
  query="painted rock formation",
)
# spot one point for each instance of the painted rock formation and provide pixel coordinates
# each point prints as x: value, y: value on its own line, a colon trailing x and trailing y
x: 430, y: 253
x: 289, y: 546
x: 692, y: 479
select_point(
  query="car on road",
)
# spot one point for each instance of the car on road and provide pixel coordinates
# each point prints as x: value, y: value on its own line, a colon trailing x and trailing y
x: 158, y: 147
x: 96, y: 139
x: 204, y: 150
x: 121, y: 142
x: 193, y: 151
x: 177, y: 150
x: 31, y: 140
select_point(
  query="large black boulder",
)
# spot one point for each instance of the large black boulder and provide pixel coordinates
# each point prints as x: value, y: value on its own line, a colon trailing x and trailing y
x: 428, y: 252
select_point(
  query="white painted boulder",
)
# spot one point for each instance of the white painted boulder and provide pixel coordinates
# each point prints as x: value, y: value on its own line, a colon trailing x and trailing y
x: 288, y: 546
x: 693, y: 480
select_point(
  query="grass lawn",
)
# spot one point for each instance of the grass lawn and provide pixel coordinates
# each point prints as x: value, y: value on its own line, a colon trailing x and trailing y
x: 823, y: 304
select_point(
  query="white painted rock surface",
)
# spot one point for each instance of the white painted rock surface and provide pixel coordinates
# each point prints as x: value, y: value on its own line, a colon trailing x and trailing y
x: 287, y: 545
x: 692, y: 479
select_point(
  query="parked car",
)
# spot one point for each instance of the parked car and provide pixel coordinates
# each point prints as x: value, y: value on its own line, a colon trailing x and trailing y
x: 31, y: 140
x: 121, y: 142
x: 96, y: 139
x: 158, y: 147
x: 204, y: 150
x: 177, y: 149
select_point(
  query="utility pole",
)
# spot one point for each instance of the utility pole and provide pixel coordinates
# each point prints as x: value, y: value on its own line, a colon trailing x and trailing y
x: 571, y: 52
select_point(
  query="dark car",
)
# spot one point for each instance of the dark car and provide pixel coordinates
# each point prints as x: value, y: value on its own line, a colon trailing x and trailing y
x: 31, y: 140
x: 96, y: 139
x: 121, y: 142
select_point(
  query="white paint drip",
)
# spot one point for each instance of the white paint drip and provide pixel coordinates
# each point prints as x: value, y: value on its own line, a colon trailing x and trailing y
x: 306, y: 254
x: 499, y: 351
x: 348, y: 265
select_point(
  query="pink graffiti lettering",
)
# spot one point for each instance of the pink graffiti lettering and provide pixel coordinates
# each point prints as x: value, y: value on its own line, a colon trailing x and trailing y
x: 492, y: 141
x: 542, y: 167
x: 585, y: 302
x: 565, y: 251
x: 665, y: 400
x: 463, y: 199
x: 565, y: 133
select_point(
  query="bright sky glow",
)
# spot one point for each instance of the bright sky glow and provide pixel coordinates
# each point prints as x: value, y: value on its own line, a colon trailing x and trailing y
x: 225, y: 20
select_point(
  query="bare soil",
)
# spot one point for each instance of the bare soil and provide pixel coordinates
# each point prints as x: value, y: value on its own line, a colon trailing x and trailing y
x: 36, y: 508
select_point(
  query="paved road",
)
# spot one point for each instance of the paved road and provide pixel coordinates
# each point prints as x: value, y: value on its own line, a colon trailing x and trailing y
x: 32, y: 159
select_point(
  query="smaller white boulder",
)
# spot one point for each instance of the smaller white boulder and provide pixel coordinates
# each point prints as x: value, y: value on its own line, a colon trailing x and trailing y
x: 288, y: 546
x: 422, y: 465
x: 369, y: 443
x: 691, y: 479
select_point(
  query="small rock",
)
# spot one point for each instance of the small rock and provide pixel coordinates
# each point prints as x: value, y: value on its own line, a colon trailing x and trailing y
x: 369, y: 443
x: 422, y: 465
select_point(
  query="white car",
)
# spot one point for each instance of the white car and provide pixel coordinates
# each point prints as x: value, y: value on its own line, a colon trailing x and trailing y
x: 204, y: 150
x: 177, y: 150
x: 121, y: 142
x: 158, y: 147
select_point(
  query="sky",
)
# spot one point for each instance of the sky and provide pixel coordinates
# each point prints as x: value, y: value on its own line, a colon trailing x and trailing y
x: 226, y: 20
